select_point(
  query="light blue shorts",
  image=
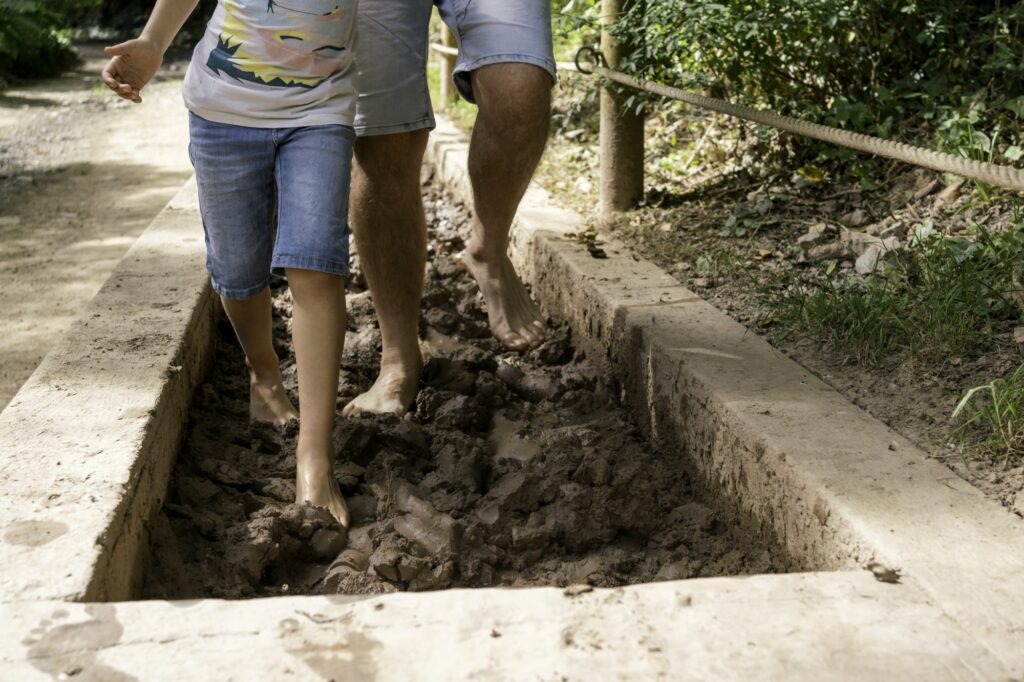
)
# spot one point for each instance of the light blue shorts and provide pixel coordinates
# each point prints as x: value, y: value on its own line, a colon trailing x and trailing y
x: 392, y: 53
x: 246, y: 175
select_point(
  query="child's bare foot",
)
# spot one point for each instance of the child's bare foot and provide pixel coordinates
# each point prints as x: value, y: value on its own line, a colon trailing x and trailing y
x: 268, y: 401
x: 315, y: 483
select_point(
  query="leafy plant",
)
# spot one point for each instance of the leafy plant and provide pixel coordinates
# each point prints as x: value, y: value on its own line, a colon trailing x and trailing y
x: 878, y: 66
x: 34, y: 41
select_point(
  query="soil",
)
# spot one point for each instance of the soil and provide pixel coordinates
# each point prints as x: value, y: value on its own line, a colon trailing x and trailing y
x: 513, y: 470
x: 82, y: 174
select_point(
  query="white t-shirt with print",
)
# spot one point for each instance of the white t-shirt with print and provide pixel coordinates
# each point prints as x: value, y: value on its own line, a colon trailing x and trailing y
x: 271, y: 64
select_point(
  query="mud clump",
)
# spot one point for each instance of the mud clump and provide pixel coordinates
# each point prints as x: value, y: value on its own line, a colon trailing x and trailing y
x: 512, y: 469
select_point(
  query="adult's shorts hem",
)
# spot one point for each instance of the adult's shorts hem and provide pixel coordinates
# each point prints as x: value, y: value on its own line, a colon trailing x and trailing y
x: 426, y: 123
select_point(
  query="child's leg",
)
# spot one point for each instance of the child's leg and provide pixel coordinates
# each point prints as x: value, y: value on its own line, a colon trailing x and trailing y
x: 252, y: 320
x: 313, y: 175
x: 235, y: 169
x: 318, y: 332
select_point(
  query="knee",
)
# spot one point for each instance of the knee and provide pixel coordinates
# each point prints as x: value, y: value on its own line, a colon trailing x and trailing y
x: 514, y: 97
x: 314, y: 282
x: 390, y: 159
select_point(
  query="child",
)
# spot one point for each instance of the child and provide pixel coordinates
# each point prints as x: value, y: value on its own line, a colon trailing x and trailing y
x: 271, y: 94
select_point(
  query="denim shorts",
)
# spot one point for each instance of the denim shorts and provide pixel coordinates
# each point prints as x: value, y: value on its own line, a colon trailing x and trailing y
x: 391, y: 55
x: 249, y: 176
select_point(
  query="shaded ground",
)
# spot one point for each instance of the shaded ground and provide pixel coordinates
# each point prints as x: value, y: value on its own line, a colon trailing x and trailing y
x: 513, y: 470
x: 81, y: 176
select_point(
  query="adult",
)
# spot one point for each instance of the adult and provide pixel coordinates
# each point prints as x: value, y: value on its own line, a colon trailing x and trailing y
x: 506, y: 67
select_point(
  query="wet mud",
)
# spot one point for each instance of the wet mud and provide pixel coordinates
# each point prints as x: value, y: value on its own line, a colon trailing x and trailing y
x: 512, y: 470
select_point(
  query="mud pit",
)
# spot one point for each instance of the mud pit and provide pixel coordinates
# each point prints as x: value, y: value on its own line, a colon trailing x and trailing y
x: 514, y: 470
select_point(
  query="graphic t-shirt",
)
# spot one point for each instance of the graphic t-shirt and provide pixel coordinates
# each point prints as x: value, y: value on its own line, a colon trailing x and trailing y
x: 276, y: 64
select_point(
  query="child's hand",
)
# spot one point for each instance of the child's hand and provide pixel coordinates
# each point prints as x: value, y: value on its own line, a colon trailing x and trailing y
x: 134, y: 63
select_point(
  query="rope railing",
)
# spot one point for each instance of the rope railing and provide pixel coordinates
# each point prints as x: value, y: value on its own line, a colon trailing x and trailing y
x: 997, y: 175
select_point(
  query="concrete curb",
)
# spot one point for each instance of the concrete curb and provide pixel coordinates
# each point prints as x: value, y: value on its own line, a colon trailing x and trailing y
x: 88, y: 443
x: 836, y: 488
x: 833, y: 626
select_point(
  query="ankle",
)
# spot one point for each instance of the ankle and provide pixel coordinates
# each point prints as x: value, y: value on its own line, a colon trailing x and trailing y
x: 485, y: 252
x: 408, y: 359
x: 267, y: 375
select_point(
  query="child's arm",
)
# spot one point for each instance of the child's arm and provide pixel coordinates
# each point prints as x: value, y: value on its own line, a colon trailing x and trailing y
x: 135, y: 62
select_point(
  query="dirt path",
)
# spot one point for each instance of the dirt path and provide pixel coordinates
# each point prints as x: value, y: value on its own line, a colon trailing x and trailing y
x: 81, y: 176
x: 513, y: 470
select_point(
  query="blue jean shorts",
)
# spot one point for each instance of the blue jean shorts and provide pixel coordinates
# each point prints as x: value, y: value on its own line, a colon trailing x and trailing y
x: 391, y: 55
x: 246, y: 176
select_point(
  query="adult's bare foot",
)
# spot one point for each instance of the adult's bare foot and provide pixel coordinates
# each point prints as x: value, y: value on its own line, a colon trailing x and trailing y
x: 315, y: 483
x: 268, y: 401
x: 514, y: 318
x: 393, y: 391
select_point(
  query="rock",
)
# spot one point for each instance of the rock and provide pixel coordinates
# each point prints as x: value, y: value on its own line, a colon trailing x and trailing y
x: 874, y: 255
x: 854, y: 218
x: 815, y: 235
x: 947, y: 196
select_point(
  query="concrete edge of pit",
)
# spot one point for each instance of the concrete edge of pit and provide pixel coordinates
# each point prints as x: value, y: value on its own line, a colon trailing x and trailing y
x: 88, y: 443
x: 810, y: 626
x: 834, y: 486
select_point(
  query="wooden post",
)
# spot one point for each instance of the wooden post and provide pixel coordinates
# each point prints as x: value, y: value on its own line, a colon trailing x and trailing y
x: 449, y: 93
x: 622, y: 128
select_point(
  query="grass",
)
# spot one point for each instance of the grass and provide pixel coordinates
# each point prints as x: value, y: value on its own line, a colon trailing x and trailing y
x: 993, y: 417
x: 939, y: 299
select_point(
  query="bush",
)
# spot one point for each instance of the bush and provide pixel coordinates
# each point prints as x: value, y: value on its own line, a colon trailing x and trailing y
x: 34, y: 41
x: 125, y: 18
x: 872, y: 65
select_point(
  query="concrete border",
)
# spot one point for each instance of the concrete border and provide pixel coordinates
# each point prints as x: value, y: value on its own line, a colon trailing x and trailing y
x: 806, y: 627
x: 834, y: 486
x: 88, y: 443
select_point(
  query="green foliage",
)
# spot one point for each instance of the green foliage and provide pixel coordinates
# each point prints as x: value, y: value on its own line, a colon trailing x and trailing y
x: 877, y: 66
x: 127, y: 17
x: 992, y: 416
x: 34, y: 40
x: 940, y: 299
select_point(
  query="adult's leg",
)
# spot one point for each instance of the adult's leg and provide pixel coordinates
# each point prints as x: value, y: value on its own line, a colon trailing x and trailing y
x: 252, y: 321
x: 391, y: 236
x: 507, y: 142
x: 318, y: 334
